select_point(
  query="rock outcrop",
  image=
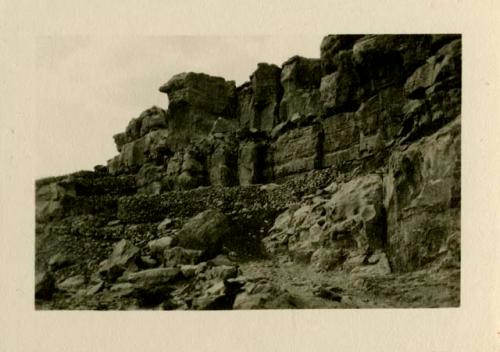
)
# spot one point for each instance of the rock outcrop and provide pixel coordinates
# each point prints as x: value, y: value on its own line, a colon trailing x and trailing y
x: 196, y: 100
x: 344, y: 168
x: 340, y: 229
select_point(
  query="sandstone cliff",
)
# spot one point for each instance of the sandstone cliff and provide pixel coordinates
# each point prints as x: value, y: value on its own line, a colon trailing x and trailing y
x: 345, y: 165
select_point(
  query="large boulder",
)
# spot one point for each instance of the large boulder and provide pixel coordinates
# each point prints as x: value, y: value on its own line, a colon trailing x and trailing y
x: 54, y: 200
x: 300, y: 79
x: 150, y: 119
x: 196, y: 100
x: 158, y: 246
x: 213, y: 94
x: 153, y: 118
x: 151, y: 147
x: 152, y: 286
x: 333, y: 231
x: 206, y: 231
x: 424, y: 183
x: 123, y: 258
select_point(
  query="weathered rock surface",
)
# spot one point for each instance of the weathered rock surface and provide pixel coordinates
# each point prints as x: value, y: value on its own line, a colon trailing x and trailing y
x: 222, y: 161
x: 330, y: 48
x: 181, y: 256
x: 340, y: 90
x: 251, y: 163
x: 260, y: 293
x: 60, y: 260
x: 158, y: 246
x: 423, y: 184
x: 206, y: 231
x: 341, y: 140
x: 200, y: 90
x: 444, y: 68
x: 123, y: 258
x: 244, y: 108
x: 267, y: 92
x: 151, y: 119
x: 379, y: 120
x: 196, y: 100
x: 300, y: 78
x: 72, y: 284
x: 332, y: 232
x: 136, y: 153
x: 297, y: 151
x: 326, y: 183
x: 53, y: 201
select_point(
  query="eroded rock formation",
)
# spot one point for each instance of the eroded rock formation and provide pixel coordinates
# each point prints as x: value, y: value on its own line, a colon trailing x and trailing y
x: 347, y: 164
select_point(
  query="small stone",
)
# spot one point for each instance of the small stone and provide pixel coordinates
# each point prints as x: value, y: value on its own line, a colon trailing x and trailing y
x: 72, y: 284
x: 164, y: 225
x: 332, y: 188
x: 188, y: 271
x: 178, y: 255
x: 158, y: 246
x: 221, y: 259
x: 222, y: 272
x: 92, y: 290
x: 59, y: 261
x: 147, y: 262
x: 269, y: 187
x: 200, y: 268
x: 152, y: 276
x: 122, y: 289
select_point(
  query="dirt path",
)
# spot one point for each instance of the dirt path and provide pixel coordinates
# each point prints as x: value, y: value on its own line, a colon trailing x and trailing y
x: 418, y: 289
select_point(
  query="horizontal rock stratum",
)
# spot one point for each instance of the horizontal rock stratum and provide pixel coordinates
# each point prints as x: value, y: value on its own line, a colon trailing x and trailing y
x: 348, y: 164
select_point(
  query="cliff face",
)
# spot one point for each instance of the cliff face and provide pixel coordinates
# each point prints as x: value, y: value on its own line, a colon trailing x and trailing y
x: 361, y: 147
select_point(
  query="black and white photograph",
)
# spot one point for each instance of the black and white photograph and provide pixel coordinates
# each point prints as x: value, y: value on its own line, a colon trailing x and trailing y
x: 249, y: 176
x: 326, y: 181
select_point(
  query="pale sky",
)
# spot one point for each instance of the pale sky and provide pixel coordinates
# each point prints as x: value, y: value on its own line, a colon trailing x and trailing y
x: 88, y: 88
